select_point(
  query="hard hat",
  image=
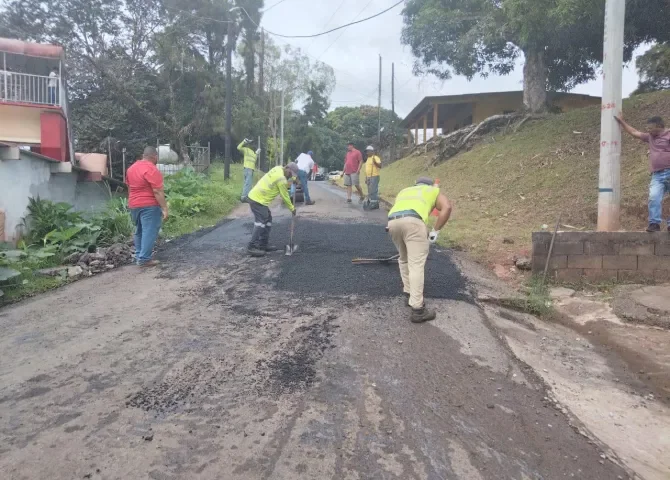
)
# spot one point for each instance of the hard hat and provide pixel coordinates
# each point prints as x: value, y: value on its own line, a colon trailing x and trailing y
x: 370, y: 148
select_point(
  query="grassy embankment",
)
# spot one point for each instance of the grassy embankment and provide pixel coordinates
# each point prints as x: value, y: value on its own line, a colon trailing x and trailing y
x: 511, y: 185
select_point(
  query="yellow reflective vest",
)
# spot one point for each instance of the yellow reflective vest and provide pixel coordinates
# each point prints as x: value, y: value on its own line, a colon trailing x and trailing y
x: 420, y: 198
x: 272, y: 184
x: 249, y: 156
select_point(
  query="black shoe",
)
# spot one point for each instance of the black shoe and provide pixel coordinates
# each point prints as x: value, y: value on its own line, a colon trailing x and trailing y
x: 256, y: 252
x: 349, y: 200
x: 653, y: 227
x: 311, y: 202
x: 407, y: 296
x: 423, y: 315
x: 271, y: 248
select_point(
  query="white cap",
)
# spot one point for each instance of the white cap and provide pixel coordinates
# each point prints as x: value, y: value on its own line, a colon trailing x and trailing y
x: 370, y: 148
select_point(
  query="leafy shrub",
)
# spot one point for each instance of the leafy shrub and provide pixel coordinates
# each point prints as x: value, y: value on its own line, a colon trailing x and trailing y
x: 45, y: 216
x: 114, y: 222
x: 183, y: 192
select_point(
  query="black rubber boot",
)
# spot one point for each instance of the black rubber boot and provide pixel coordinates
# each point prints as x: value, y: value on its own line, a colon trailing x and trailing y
x: 271, y: 248
x: 653, y: 227
x: 256, y: 252
x: 423, y: 315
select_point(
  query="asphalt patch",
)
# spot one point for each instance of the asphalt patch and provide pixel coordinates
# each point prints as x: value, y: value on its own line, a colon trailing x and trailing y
x: 322, y: 265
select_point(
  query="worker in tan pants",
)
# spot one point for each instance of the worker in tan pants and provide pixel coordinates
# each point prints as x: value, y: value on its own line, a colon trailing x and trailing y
x: 409, y: 232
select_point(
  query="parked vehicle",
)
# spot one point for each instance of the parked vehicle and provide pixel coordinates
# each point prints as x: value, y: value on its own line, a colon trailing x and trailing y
x: 319, y: 177
x: 334, y: 175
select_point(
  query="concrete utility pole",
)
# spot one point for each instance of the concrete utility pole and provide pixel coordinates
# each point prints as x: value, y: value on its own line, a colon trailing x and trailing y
x: 281, y: 128
x: 261, y: 97
x: 609, y: 188
x: 379, y: 108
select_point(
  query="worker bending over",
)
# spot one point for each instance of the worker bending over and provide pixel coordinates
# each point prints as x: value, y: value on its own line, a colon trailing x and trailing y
x: 249, y: 166
x: 409, y: 232
x: 274, y: 183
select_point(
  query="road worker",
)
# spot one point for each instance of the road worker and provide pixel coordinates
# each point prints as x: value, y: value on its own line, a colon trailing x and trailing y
x: 409, y: 232
x: 373, y: 167
x: 249, y: 165
x: 274, y: 183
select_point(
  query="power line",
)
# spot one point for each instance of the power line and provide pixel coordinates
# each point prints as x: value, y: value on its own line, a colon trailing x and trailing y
x: 328, y: 31
x: 340, y: 35
x: 331, y: 17
x: 273, y: 6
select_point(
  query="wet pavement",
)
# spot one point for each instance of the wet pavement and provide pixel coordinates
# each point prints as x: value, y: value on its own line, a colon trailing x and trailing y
x: 218, y: 366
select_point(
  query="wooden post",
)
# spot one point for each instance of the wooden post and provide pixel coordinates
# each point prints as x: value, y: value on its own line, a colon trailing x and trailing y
x: 425, y: 127
x: 416, y: 133
x: 409, y: 137
x: 436, y: 109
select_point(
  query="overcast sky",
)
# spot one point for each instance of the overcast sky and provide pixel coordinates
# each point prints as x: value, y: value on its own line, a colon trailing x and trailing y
x: 354, y: 53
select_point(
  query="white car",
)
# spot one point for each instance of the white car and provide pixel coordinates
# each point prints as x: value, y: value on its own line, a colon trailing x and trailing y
x: 334, y: 175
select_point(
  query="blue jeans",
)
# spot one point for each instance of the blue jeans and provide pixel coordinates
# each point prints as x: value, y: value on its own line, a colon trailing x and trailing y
x: 52, y: 95
x: 147, y: 222
x: 660, y: 185
x: 373, y: 189
x: 248, y: 182
x: 302, y: 176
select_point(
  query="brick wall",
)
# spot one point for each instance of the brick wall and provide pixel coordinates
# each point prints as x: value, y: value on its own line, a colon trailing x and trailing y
x: 604, y: 256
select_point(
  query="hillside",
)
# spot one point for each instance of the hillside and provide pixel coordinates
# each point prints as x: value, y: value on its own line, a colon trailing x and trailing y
x: 511, y: 185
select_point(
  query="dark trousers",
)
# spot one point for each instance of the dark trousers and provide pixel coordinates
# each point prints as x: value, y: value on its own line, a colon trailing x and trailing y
x: 262, y: 225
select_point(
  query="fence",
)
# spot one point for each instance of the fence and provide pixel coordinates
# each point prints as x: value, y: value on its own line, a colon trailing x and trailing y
x: 200, y: 157
x: 27, y: 88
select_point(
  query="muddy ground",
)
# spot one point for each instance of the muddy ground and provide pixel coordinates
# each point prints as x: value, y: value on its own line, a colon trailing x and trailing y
x: 218, y: 366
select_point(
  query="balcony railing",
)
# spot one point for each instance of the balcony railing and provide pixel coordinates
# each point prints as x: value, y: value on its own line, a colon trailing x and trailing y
x: 27, y: 88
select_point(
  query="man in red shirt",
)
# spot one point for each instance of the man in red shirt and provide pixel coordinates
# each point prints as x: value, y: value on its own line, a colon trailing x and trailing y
x: 351, y: 173
x: 147, y: 204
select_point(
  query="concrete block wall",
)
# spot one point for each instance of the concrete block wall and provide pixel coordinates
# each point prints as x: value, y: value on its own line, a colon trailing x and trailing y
x: 604, y: 256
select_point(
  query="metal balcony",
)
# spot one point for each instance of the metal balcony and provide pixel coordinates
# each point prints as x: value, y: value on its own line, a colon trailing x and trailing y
x: 25, y: 88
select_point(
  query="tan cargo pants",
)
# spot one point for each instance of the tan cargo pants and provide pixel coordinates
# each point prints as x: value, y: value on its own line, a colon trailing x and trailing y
x: 410, y: 236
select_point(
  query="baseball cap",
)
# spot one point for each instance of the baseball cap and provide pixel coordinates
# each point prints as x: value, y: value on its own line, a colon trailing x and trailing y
x: 310, y: 153
x: 294, y: 168
x: 425, y: 181
x: 370, y: 148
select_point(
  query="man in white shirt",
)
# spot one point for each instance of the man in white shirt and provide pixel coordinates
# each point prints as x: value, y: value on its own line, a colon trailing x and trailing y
x: 305, y: 164
x: 53, y: 87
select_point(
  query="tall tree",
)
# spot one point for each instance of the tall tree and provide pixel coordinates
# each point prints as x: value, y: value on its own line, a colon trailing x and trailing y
x: 561, y: 41
x: 654, y: 69
x: 317, y: 103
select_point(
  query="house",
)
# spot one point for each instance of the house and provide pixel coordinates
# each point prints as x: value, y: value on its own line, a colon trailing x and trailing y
x: 36, y: 142
x: 448, y: 113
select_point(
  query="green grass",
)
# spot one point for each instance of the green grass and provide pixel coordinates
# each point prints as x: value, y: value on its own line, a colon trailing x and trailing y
x: 35, y: 285
x: 511, y: 185
x: 220, y: 197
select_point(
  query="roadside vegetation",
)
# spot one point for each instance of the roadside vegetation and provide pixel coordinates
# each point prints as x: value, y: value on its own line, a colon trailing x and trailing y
x: 56, y: 235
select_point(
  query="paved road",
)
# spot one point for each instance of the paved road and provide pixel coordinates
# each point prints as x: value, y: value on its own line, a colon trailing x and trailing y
x: 217, y: 366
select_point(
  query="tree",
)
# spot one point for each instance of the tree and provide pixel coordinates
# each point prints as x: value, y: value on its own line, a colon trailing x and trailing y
x: 654, y: 69
x: 561, y: 40
x: 317, y: 103
x: 359, y: 124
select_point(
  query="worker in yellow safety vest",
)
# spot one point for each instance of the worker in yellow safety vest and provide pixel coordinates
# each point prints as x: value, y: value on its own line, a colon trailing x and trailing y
x: 409, y: 232
x: 274, y: 183
x: 249, y: 165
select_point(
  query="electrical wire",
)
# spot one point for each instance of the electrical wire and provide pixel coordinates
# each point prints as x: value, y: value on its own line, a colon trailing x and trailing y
x: 340, y: 35
x: 273, y: 6
x: 327, y: 31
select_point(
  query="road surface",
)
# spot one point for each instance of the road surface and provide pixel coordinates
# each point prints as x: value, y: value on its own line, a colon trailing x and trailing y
x: 218, y: 366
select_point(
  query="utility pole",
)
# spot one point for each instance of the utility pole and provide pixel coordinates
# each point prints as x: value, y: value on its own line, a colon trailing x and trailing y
x: 281, y: 127
x: 609, y: 188
x: 393, y: 112
x: 261, y: 96
x: 379, y: 108
x: 229, y: 99
x: 124, y: 164
x: 109, y: 150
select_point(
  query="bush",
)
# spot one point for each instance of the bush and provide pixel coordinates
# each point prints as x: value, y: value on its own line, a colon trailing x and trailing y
x: 114, y: 222
x: 45, y: 216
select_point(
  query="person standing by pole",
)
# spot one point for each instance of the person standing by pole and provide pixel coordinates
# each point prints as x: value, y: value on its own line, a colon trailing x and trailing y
x: 249, y: 166
x: 148, y: 207
x: 408, y: 230
x: 373, y: 167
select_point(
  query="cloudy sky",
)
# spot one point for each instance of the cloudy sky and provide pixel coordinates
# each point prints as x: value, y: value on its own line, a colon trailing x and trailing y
x: 354, y: 53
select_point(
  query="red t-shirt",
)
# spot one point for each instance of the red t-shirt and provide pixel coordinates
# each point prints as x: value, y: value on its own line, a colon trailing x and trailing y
x: 142, y: 178
x: 353, y: 162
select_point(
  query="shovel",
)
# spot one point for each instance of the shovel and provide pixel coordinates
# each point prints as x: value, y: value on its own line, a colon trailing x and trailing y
x: 291, y: 248
x: 376, y: 261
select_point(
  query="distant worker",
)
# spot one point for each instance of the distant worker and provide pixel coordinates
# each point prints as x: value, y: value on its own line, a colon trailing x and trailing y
x: 351, y: 173
x: 249, y: 166
x: 305, y: 164
x: 261, y: 196
x: 658, y: 139
x: 409, y: 232
x: 373, y: 167
x: 53, y: 86
x: 315, y: 171
x: 147, y: 204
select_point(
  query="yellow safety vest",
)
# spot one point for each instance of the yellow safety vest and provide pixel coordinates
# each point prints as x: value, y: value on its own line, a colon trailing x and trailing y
x: 371, y: 168
x: 249, y: 156
x: 420, y: 198
x: 272, y: 184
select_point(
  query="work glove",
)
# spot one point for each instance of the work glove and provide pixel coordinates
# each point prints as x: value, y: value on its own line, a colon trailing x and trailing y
x: 258, y: 152
x: 294, y: 212
x: 246, y: 140
x: 432, y: 236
